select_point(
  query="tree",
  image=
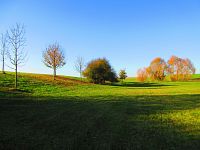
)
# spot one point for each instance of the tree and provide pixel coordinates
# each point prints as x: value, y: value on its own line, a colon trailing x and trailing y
x: 180, y: 69
x: 142, y: 74
x: 17, y: 54
x: 157, y: 69
x: 122, y: 74
x: 79, y: 65
x: 3, y: 50
x: 54, y: 57
x: 99, y: 70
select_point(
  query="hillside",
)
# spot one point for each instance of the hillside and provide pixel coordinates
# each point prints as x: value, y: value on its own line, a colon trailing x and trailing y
x: 73, y: 114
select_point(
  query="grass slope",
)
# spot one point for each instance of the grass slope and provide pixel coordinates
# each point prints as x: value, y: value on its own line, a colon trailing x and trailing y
x: 72, y: 114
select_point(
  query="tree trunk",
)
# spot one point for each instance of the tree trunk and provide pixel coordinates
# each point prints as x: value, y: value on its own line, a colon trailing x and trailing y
x: 16, y: 76
x: 3, y: 71
x: 54, y: 73
x: 81, y: 75
x: 16, y: 68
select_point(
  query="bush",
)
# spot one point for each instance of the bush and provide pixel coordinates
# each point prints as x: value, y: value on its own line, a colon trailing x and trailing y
x: 99, y: 71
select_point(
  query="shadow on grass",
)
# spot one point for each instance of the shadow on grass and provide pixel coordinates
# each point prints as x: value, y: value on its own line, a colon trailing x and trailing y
x: 94, y: 122
x: 139, y: 84
x: 12, y: 92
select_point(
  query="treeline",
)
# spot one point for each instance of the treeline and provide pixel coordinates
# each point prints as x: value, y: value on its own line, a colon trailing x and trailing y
x: 97, y: 71
x: 177, y: 69
x: 12, y: 46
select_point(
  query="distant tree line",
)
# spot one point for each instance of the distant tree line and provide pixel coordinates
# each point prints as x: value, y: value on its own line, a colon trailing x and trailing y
x: 98, y: 70
x: 177, y: 69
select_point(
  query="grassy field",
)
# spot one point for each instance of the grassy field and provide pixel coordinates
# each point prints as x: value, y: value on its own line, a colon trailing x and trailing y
x: 72, y: 114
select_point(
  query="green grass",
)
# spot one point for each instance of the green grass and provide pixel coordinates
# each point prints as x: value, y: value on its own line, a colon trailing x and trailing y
x: 196, y: 76
x: 67, y: 114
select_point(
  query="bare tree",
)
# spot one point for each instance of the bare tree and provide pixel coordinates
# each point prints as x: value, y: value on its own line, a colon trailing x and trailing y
x: 3, y: 50
x: 17, y: 54
x: 79, y: 65
x: 54, y: 57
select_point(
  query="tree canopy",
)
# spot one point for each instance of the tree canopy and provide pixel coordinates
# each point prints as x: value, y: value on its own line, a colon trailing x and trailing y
x: 99, y: 70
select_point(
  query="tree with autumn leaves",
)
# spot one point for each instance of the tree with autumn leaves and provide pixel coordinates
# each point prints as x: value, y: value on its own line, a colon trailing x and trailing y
x: 157, y: 69
x: 142, y: 74
x: 53, y: 57
x: 178, y: 69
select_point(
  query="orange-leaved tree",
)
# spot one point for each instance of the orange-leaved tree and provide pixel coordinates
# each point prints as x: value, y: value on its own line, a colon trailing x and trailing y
x: 180, y: 69
x: 54, y: 57
x: 142, y: 74
x: 157, y: 69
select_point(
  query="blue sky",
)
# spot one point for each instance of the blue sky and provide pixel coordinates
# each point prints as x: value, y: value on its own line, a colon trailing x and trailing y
x: 130, y: 33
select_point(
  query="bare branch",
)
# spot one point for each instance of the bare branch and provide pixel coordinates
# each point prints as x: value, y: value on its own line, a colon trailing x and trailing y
x: 10, y: 67
x: 79, y: 65
x: 17, y: 55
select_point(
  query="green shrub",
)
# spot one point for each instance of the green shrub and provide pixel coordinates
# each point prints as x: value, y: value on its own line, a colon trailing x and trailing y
x: 99, y: 70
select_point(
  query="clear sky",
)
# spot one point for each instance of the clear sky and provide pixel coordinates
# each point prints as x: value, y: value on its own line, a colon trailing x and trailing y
x: 129, y: 33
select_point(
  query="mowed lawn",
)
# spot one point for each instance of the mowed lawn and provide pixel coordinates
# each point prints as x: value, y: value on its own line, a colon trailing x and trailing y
x: 73, y: 114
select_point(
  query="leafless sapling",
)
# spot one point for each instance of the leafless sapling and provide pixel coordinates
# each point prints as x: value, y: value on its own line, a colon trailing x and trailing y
x: 79, y: 65
x: 16, y: 54
x: 3, y: 48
